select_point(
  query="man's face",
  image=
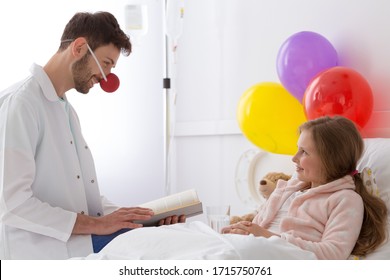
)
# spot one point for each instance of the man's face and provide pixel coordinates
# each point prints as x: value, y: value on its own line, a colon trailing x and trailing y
x: 86, y: 72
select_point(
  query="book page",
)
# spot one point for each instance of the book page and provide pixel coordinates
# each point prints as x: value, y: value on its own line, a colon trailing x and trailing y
x: 171, y: 202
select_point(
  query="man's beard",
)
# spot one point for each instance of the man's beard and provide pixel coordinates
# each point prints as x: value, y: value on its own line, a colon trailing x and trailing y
x: 81, y: 75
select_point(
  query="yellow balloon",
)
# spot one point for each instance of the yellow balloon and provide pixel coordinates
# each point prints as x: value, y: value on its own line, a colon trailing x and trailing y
x: 269, y: 116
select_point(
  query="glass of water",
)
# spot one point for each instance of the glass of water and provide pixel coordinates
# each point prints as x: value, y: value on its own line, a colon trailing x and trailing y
x: 218, y: 216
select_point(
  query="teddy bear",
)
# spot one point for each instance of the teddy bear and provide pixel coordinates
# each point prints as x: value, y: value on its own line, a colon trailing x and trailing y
x: 268, y: 183
x: 266, y: 186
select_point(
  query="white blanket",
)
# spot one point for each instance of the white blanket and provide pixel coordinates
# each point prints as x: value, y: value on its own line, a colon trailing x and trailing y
x: 194, y: 241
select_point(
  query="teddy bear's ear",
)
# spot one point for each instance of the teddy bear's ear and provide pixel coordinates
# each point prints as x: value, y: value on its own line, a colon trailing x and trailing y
x: 248, y: 217
x: 235, y: 219
x: 272, y: 176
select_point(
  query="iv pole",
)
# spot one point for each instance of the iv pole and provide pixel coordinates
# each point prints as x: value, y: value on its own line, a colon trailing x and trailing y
x: 174, y: 12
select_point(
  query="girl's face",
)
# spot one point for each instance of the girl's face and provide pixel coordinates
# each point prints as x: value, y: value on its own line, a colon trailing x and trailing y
x: 307, y: 160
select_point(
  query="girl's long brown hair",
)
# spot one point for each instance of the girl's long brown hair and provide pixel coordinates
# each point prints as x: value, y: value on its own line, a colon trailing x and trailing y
x: 340, y: 146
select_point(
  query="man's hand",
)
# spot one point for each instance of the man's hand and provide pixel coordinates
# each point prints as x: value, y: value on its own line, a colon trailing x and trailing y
x: 119, y: 219
x: 172, y: 220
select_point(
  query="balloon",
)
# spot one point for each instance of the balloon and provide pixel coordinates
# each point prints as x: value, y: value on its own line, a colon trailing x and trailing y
x: 269, y: 116
x: 339, y: 91
x: 301, y: 57
x: 112, y: 83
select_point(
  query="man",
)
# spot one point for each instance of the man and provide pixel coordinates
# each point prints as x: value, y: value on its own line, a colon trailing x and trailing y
x: 50, y: 203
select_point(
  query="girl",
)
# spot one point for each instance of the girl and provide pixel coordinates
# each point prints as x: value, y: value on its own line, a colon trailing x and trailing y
x: 325, y: 208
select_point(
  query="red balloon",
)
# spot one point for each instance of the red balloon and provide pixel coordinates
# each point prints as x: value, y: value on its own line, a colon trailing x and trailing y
x: 112, y: 83
x: 339, y: 91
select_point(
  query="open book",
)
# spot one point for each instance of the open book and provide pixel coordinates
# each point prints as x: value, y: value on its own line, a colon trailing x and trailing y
x: 184, y: 203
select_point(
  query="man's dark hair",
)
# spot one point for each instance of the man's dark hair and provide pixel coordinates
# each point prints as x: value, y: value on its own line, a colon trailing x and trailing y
x: 100, y: 29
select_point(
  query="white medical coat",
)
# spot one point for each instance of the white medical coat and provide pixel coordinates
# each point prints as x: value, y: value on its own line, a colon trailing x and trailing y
x: 47, y: 174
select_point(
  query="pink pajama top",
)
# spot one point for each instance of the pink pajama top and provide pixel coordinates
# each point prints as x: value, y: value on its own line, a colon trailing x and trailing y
x: 325, y: 220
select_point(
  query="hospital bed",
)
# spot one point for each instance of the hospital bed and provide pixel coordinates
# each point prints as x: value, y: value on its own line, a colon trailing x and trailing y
x: 196, y: 240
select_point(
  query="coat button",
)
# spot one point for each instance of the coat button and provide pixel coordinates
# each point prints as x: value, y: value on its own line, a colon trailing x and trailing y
x: 71, y: 142
x: 78, y: 176
x: 92, y: 181
x: 82, y: 213
x: 86, y: 147
x: 99, y: 214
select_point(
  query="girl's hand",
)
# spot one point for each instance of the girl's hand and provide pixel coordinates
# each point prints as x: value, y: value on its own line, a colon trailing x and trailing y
x: 246, y: 228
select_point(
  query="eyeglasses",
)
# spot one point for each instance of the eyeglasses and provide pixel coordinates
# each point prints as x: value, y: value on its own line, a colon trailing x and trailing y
x: 97, y: 62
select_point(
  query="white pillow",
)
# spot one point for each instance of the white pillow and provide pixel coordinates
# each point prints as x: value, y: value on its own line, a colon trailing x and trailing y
x: 377, y: 157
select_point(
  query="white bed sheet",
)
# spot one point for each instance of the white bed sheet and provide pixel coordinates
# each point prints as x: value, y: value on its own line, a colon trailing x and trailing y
x: 195, y: 241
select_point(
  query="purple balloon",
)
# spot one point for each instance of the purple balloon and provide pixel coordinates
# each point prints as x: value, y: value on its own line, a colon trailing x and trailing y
x: 301, y: 57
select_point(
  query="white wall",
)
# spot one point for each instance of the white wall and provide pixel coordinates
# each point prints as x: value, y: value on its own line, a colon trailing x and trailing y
x: 125, y: 130
x: 228, y: 46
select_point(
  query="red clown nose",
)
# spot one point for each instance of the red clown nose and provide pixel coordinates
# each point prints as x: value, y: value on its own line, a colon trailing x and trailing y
x: 112, y: 83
